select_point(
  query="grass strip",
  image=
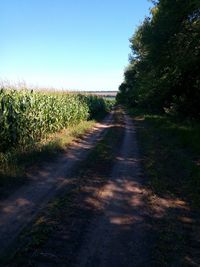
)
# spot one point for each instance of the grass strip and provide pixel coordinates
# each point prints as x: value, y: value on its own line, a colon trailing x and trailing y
x: 170, y: 150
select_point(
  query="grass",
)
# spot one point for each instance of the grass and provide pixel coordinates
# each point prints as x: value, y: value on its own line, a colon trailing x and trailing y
x: 170, y: 150
x: 14, y: 163
x: 68, y: 214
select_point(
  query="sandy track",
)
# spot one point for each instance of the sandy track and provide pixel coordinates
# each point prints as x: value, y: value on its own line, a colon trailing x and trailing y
x: 120, y: 236
x: 20, y: 208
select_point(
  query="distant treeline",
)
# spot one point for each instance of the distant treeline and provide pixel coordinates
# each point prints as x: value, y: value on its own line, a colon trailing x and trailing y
x: 102, y: 93
x: 164, y: 70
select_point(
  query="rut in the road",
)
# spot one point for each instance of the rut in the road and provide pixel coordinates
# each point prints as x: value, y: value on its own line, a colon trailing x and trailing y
x: 120, y: 236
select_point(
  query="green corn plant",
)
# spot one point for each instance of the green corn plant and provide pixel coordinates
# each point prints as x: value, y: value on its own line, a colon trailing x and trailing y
x: 27, y: 117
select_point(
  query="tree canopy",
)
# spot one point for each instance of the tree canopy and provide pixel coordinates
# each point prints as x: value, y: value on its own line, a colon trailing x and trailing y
x: 164, y: 69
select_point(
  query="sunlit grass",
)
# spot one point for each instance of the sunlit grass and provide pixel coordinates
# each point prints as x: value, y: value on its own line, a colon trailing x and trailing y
x: 14, y: 163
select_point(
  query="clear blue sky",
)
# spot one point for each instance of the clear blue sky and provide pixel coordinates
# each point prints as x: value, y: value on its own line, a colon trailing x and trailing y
x: 69, y: 44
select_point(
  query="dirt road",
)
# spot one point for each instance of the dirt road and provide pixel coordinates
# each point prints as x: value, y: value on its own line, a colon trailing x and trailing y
x: 19, y: 209
x: 120, y: 236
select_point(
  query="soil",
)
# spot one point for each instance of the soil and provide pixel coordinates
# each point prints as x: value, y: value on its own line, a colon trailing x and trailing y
x: 121, y: 235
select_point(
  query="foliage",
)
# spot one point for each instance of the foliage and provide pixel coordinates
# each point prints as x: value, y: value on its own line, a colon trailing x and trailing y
x: 164, y: 70
x: 95, y: 104
x: 27, y: 116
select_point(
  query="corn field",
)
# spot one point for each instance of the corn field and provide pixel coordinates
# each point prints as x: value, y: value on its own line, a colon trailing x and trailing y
x: 28, y: 116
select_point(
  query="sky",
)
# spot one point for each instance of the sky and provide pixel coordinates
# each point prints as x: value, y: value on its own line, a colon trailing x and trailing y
x: 68, y: 44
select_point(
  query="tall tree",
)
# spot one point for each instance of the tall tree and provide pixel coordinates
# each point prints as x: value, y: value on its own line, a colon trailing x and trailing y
x: 164, y: 70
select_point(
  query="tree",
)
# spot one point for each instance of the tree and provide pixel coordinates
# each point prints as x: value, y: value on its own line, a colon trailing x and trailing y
x: 164, y: 68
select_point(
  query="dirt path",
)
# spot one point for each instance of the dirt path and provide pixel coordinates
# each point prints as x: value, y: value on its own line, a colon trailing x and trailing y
x: 106, y: 216
x: 120, y: 236
x: 20, y: 208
